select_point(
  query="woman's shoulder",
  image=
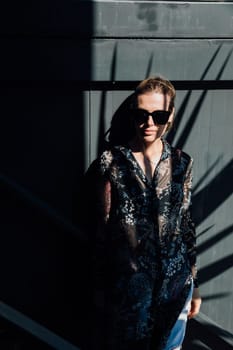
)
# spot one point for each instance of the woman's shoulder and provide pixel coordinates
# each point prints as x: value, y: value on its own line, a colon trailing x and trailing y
x: 181, y: 155
x: 105, y: 160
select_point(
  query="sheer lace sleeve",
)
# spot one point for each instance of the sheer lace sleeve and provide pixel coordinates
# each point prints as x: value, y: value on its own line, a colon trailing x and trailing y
x: 188, y: 226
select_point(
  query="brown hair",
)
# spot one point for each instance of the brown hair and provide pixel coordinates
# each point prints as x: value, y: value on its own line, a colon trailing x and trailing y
x: 158, y: 84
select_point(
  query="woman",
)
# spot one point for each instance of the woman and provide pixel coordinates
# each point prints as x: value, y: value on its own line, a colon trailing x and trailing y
x: 143, y: 264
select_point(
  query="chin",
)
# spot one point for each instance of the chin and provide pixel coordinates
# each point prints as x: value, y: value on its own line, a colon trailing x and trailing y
x: 150, y: 138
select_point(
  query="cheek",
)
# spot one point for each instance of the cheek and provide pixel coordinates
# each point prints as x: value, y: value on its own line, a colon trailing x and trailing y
x: 163, y: 129
x: 138, y: 127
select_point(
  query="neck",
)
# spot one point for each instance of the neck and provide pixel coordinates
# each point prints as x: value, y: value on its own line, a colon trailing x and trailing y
x: 152, y: 149
x: 146, y: 147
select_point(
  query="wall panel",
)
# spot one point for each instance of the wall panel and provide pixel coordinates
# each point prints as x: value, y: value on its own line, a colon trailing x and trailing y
x: 124, y: 59
x: 170, y: 19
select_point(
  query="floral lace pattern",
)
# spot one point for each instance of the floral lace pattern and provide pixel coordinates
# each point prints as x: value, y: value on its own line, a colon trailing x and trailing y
x: 147, y: 245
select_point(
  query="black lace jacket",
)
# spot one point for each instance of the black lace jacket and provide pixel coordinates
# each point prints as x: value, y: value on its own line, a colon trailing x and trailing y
x: 143, y: 244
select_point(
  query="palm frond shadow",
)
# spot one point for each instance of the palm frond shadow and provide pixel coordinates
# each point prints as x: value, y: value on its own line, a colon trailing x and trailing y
x: 217, y: 268
x: 213, y: 240
x: 206, y: 336
x: 215, y: 296
x: 148, y: 71
x: 204, y: 231
x: 214, y: 194
x: 222, y: 182
x: 204, y: 177
x: 102, y: 128
x: 181, y: 113
x: 220, y: 266
x: 179, y: 116
x: 192, y: 119
x: 190, y: 122
x: 208, y: 199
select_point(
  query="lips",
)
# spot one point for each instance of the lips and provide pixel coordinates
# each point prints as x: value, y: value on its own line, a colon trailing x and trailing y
x: 148, y: 132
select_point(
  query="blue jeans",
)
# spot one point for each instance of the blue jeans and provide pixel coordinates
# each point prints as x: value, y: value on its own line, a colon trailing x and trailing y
x: 177, y: 334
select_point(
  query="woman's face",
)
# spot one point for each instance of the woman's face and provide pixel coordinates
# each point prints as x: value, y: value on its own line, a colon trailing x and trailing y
x: 149, y: 131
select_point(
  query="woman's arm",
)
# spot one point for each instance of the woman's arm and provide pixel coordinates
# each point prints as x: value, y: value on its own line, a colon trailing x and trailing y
x: 195, y: 303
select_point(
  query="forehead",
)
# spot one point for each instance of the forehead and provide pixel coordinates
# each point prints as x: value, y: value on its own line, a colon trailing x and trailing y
x: 154, y: 100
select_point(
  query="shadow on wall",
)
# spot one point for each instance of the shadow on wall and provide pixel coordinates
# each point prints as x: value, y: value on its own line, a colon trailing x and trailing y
x: 206, y: 200
x: 42, y: 158
x: 201, y: 336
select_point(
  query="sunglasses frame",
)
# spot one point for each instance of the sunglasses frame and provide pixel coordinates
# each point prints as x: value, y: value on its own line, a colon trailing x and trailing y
x: 160, y: 117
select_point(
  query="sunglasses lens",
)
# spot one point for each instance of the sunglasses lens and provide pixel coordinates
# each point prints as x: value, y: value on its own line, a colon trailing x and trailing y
x: 140, y: 116
x: 161, y: 117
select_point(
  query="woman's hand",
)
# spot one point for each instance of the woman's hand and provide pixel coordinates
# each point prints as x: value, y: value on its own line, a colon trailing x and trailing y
x: 195, y: 303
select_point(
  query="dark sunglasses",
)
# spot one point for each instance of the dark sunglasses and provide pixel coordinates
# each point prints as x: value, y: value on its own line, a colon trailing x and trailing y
x: 159, y: 117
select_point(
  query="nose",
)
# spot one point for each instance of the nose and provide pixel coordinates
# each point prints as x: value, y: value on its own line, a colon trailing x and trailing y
x: 150, y: 120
